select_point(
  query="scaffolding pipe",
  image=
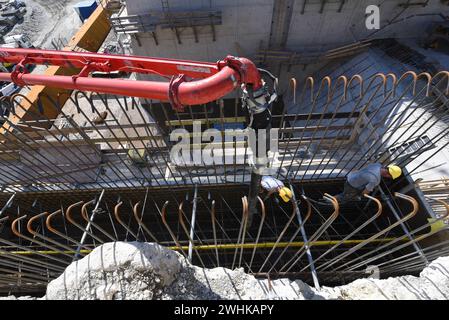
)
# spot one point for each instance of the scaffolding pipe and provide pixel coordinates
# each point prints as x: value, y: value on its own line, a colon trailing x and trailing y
x: 317, y: 233
x: 181, y: 213
x: 83, y: 238
x: 192, y: 224
x: 316, y: 282
x: 8, y: 203
x: 308, y: 214
x: 90, y: 220
x: 212, y: 214
x: 404, y: 228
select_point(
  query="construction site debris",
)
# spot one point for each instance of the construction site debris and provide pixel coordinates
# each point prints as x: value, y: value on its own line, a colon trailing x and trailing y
x: 45, y: 21
x: 138, y: 270
x: 432, y: 284
x: 11, y: 13
x: 118, y: 270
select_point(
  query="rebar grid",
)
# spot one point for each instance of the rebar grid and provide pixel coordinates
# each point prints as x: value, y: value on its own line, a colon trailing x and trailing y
x: 55, y: 172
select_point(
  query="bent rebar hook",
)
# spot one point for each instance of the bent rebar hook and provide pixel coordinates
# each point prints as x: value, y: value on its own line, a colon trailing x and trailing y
x: 164, y: 221
x: 262, y: 208
x: 242, y: 229
x: 69, y: 217
x: 317, y: 233
x: 184, y: 227
x: 298, y: 230
x: 117, y: 216
x: 62, y: 235
x: 375, y: 236
x: 367, y: 222
x: 140, y: 222
x: 41, y: 236
x: 20, y: 235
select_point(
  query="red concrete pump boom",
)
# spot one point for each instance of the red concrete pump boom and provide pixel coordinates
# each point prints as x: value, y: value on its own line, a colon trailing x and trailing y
x: 191, y: 82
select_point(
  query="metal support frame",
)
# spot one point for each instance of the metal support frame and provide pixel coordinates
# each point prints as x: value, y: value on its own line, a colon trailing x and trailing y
x: 92, y: 217
x: 7, y: 204
x: 192, y: 223
x: 220, y: 233
x: 404, y: 228
x: 316, y: 282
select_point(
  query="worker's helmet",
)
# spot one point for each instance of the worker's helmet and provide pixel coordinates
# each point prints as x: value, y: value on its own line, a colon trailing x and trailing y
x: 285, y: 193
x: 394, y: 171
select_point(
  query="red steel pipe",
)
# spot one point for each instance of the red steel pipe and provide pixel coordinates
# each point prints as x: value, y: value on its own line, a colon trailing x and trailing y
x: 211, y: 80
x: 110, y: 62
x: 189, y: 93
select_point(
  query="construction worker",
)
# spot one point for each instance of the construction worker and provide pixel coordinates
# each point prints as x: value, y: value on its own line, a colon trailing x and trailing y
x: 272, y: 185
x: 259, y: 102
x: 365, y: 180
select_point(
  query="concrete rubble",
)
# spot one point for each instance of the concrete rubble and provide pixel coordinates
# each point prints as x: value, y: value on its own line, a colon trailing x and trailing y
x: 48, y: 20
x: 136, y: 270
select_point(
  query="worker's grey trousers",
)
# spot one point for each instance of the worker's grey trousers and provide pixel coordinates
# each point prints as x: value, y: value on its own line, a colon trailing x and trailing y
x: 349, y: 194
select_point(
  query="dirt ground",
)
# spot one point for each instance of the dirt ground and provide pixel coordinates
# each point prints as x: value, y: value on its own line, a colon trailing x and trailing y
x: 46, y: 20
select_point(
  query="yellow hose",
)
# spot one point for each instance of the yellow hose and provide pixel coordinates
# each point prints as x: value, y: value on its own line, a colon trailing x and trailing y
x: 266, y: 245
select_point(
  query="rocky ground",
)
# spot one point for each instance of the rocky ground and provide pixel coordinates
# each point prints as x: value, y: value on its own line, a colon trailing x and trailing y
x: 137, y: 270
x: 46, y: 20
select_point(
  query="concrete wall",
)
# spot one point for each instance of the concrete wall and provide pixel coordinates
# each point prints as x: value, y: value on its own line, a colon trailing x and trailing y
x: 247, y: 23
x: 332, y: 28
